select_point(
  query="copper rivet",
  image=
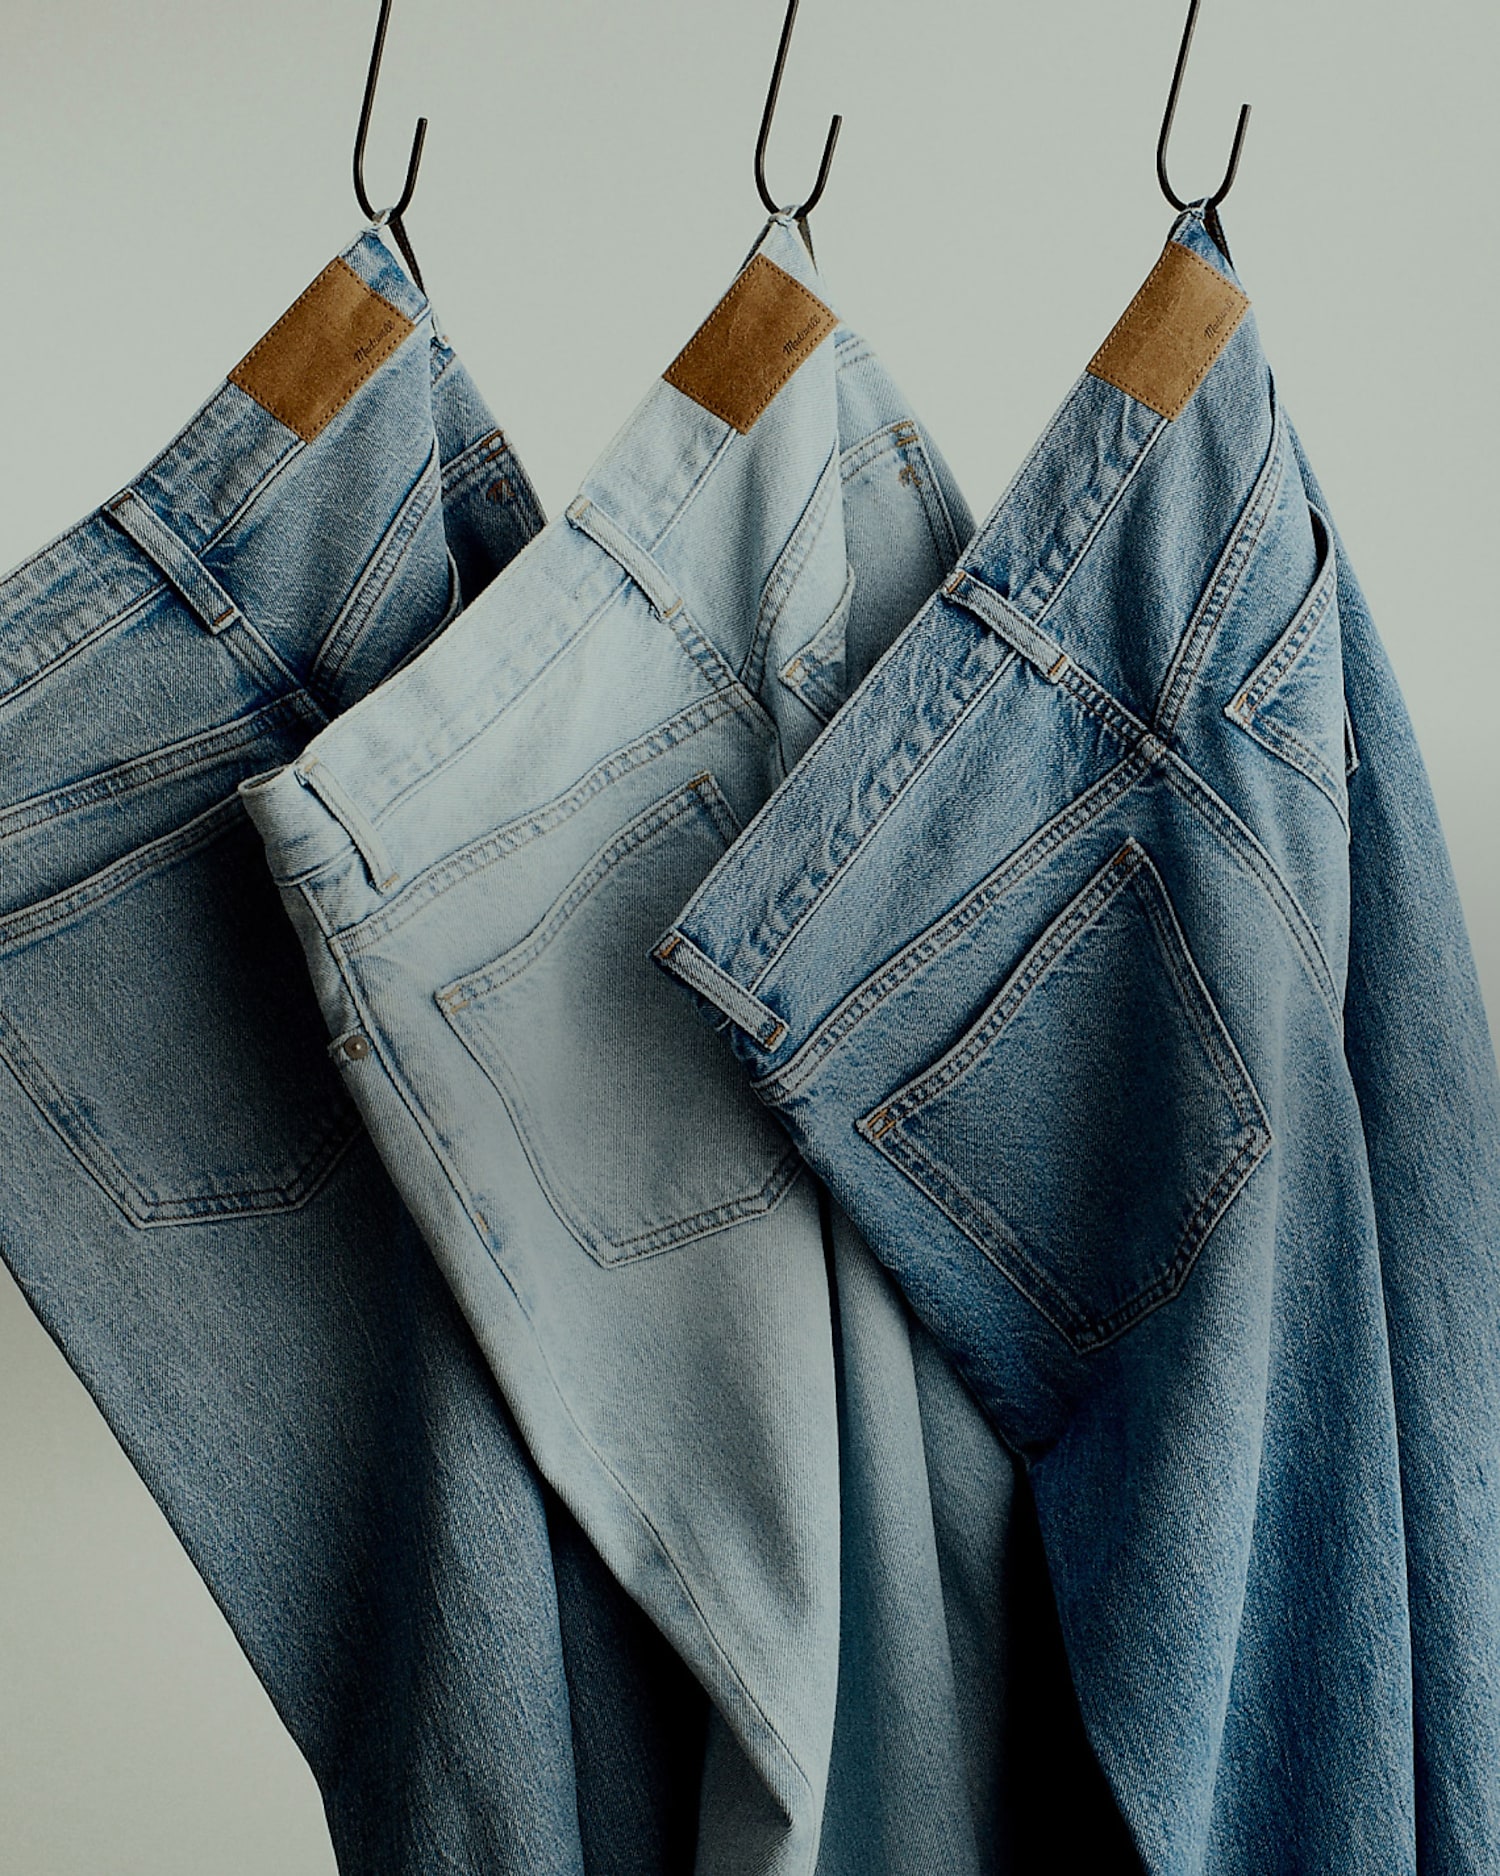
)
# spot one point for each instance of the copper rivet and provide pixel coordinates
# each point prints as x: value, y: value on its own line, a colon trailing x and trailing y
x: 356, y: 1048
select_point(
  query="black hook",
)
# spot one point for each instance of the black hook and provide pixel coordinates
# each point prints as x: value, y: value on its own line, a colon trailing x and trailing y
x: 765, y: 136
x: 1211, y: 205
x: 414, y: 163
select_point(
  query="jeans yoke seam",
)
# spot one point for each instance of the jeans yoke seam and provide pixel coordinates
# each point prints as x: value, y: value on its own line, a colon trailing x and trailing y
x: 418, y: 894
x: 781, y: 584
x: 1232, y: 834
x: 451, y: 755
x: 379, y: 572
x: 918, y: 768
x: 868, y: 996
x: 429, y: 1132
x: 179, y: 758
x: 1240, y: 843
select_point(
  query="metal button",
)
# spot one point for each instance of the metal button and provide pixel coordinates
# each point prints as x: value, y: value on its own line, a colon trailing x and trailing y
x: 357, y: 1048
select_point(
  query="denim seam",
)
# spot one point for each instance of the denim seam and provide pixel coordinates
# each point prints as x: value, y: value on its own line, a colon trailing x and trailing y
x: 314, y: 774
x: 1121, y: 872
x: 933, y: 1082
x: 171, y: 761
x: 378, y: 574
x: 822, y: 694
x: 918, y: 768
x: 1186, y: 665
x: 33, y: 921
x: 781, y: 583
x: 700, y: 792
x: 716, y: 668
x: 699, y: 482
x: 427, y: 775
x: 93, y: 1152
x: 1076, y: 818
x: 1081, y: 552
x: 429, y: 1133
x: 1238, y: 840
x: 1273, y: 670
x: 78, y: 645
x: 427, y: 886
x: 1291, y: 749
x: 181, y: 568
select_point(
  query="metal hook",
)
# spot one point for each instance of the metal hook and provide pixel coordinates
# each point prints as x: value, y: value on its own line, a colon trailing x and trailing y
x: 1211, y: 203
x: 414, y: 162
x: 766, y: 197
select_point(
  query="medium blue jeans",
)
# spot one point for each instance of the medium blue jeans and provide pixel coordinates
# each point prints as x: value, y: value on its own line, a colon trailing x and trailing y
x: 1104, y: 959
x: 790, y: 1480
x: 187, y: 1197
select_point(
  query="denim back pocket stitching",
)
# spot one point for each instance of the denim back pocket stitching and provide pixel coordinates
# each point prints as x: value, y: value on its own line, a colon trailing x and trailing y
x: 1084, y: 1326
x: 306, y: 1147
x: 770, y: 1161
x: 1248, y: 708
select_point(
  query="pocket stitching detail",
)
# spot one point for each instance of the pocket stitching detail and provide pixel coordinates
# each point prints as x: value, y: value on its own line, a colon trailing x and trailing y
x: 701, y: 792
x: 972, y: 1215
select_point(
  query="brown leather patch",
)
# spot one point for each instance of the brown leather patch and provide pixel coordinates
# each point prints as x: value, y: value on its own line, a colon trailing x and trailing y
x: 750, y: 344
x: 1171, y: 333
x: 321, y: 350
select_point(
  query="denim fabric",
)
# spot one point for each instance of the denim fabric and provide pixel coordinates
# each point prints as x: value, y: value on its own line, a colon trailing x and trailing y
x: 187, y: 1197
x: 477, y: 858
x: 1175, y: 1114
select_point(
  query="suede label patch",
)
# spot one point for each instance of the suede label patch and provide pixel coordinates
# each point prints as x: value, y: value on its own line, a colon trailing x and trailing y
x: 750, y: 344
x: 1171, y: 333
x: 321, y: 350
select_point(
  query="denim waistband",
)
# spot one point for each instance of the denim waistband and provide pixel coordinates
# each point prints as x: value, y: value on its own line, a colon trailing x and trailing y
x: 169, y: 515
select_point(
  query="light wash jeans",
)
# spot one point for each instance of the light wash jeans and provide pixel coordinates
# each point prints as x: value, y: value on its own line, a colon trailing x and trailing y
x: 187, y: 1197
x: 477, y: 858
x: 1104, y: 959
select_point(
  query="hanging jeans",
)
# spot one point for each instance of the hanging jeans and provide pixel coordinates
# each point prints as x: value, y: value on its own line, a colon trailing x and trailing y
x: 477, y: 858
x: 187, y: 1197
x: 1104, y: 959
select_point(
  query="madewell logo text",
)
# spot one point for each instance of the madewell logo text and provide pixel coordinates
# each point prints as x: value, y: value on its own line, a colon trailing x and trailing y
x: 800, y: 337
x: 362, y: 352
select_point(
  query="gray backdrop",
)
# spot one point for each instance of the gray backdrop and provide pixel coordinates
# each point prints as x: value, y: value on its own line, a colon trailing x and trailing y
x: 174, y: 175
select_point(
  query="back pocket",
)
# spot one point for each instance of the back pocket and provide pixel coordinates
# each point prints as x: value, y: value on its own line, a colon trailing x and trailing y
x: 161, y: 1017
x: 634, y: 1116
x: 1292, y: 703
x: 1093, y: 1126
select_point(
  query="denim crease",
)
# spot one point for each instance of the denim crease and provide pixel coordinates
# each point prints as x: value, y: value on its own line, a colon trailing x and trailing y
x: 187, y: 1197
x: 1104, y: 959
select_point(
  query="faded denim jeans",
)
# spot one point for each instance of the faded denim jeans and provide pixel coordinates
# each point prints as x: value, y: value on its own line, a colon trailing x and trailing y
x: 1104, y: 959
x: 187, y: 1196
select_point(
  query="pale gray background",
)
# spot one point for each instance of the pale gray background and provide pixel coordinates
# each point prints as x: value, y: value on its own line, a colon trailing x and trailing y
x: 173, y: 175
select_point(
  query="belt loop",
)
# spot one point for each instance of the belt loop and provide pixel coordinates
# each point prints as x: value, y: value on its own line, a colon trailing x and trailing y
x: 172, y: 557
x: 683, y: 959
x: 315, y: 774
x: 590, y: 519
x: 994, y: 610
